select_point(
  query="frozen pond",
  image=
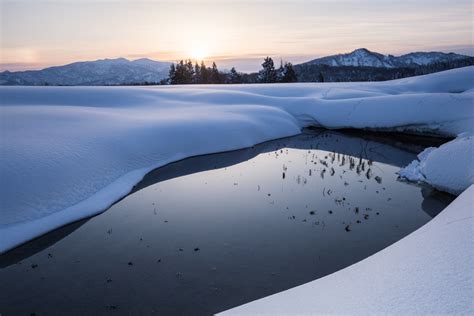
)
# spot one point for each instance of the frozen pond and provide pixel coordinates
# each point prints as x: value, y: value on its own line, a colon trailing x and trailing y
x: 209, y: 233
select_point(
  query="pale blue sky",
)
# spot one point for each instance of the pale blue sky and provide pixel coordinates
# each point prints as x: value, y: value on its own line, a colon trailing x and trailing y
x: 36, y: 33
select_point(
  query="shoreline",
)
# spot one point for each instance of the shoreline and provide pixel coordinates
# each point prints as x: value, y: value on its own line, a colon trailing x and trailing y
x: 427, y: 271
x: 214, y: 204
x: 116, y: 197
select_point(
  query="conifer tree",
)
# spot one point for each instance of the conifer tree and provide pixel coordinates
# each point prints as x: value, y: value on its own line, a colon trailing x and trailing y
x: 204, y: 73
x: 268, y: 74
x: 280, y: 72
x: 215, y: 77
x: 287, y: 74
x: 197, y: 73
x: 180, y: 76
x: 172, y: 74
x: 234, y: 76
x: 189, y: 72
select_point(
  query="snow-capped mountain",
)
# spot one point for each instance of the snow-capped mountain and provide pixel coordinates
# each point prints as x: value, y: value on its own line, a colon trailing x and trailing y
x: 99, y: 72
x: 371, y: 66
x: 363, y: 57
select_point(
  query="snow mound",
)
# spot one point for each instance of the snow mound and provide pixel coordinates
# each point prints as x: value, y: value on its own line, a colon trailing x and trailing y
x: 69, y: 152
x: 448, y: 168
x: 428, y: 272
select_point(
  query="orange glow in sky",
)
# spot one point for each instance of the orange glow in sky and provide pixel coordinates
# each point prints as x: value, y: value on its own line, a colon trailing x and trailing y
x: 37, y: 33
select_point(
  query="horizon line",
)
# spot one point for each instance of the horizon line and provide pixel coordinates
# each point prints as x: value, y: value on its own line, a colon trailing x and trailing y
x: 22, y: 66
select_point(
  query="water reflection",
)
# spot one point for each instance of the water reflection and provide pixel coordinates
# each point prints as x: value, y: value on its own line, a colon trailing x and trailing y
x: 209, y: 233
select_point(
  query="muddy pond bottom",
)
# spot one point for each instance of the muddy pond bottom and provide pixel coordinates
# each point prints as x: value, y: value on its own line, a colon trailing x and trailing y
x: 209, y: 233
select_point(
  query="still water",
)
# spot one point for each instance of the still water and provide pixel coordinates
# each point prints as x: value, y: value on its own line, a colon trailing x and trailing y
x: 212, y: 232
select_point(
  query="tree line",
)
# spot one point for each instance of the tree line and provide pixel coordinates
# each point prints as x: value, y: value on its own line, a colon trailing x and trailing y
x: 185, y: 72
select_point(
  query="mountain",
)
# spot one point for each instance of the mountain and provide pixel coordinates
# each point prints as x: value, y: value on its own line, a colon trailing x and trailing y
x: 100, y: 72
x: 363, y: 57
x: 359, y: 65
x: 364, y: 65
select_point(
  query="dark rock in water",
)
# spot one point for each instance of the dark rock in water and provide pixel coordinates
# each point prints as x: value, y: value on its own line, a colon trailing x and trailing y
x: 312, y: 212
x: 356, y: 210
x: 181, y: 249
x: 34, y: 266
x: 330, y: 212
x: 377, y: 213
x: 378, y: 179
x: 196, y: 249
x: 358, y: 221
x: 348, y: 228
x: 50, y: 255
x: 366, y: 216
x: 109, y: 280
x: 130, y: 263
x: 159, y: 260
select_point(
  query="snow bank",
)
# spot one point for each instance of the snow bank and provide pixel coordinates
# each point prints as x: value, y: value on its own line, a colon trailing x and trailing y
x: 69, y: 152
x: 448, y: 168
x: 428, y: 272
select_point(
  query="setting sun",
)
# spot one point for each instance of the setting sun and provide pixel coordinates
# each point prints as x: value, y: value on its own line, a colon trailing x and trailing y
x: 199, y: 53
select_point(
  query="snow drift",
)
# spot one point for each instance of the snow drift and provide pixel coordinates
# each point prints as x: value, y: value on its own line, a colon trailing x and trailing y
x: 69, y: 152
x: 449, y: 168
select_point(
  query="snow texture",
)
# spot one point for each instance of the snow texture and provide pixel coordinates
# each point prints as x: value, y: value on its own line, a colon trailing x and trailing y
x: 449, y: 168
x: 428, y: 272
x: 68, y: 153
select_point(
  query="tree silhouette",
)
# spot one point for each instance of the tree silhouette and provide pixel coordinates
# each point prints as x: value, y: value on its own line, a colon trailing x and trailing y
x: 234, y: 76
x: 287, y: 73
x: 268, y: 74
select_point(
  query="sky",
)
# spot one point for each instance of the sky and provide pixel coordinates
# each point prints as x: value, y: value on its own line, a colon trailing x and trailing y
x: 35, y: 34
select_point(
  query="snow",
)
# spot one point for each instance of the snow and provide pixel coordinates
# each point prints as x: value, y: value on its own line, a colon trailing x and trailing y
x: 69, y: 152
x: 362, y: 57
x: 98, y: 72
x: 428, y: 272
x: 449, y: 168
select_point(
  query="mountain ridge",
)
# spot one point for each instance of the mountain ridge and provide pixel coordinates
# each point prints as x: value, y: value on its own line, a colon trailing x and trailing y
x: 358, y: 65
x: 362, y: 57
x: 106, y: 71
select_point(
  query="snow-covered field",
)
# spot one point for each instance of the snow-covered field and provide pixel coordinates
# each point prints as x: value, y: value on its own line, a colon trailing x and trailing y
x: 69, y: 152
